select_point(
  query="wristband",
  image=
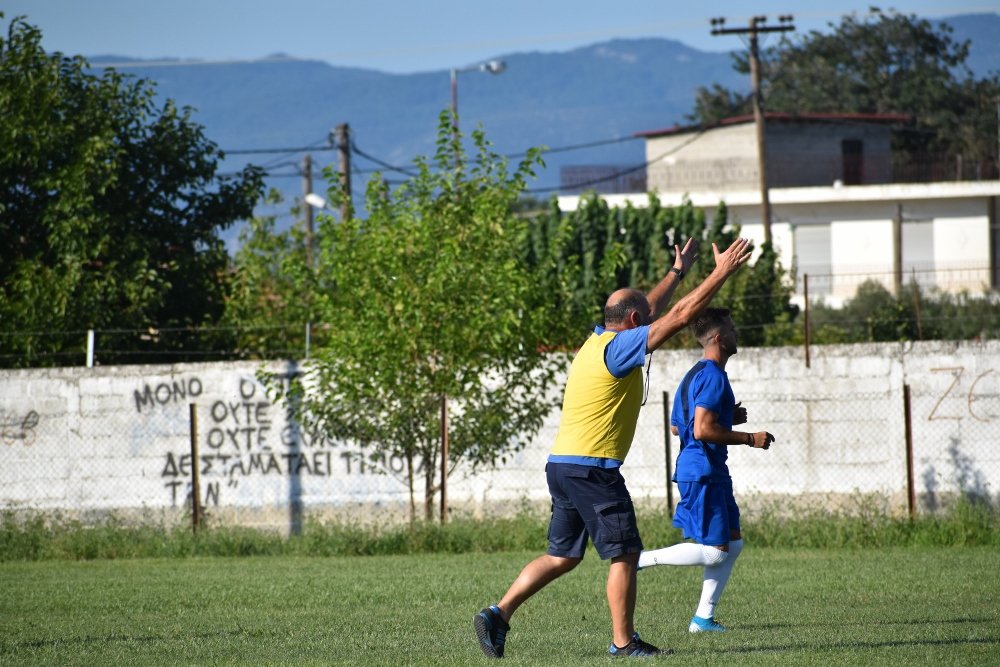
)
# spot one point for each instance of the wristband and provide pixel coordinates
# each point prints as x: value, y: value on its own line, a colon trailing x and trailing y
x: 749, y: 442
x: 679, y: 272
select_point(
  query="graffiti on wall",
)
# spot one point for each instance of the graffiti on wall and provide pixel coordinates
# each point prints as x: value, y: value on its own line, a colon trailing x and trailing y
x: 966, y: 397
x: 17, y: 428
x: 175, y: 391
x: 240, y: 439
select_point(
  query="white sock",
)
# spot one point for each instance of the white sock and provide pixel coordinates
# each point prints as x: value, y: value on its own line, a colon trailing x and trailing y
x: 685, y: 553
x: 716, y: 577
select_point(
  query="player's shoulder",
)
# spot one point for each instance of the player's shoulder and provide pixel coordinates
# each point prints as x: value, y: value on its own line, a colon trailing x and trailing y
x: 710, y: 372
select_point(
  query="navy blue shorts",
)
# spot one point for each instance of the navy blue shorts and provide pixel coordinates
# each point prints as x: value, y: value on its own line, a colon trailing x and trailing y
x: 707, y: 512
x: 590, y: 502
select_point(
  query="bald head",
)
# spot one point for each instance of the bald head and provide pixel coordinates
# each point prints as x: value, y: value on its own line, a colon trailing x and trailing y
x: 622, y: 303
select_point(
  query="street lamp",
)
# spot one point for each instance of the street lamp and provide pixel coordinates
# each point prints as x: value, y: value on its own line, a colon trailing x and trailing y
x: 491, y: 66
x: 317, y: 201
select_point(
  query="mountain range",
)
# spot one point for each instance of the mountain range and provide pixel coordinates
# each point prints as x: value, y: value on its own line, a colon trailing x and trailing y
x: 603, y: 93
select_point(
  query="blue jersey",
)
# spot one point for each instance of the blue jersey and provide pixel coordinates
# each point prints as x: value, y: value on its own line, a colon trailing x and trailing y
x: 707, y: 387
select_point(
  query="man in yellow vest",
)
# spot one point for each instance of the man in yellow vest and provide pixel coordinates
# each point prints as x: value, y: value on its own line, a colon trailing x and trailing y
x: 601, y: 404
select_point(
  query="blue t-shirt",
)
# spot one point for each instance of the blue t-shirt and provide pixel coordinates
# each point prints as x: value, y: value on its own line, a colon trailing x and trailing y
x: 626, y: 351
x: 699, y: 460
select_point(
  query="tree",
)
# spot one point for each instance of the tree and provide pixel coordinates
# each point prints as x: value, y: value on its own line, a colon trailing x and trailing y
x: 110, y: 209
x: 428, y: 300
x: 883, y: 62
x: 269, y: 304
x: 609, y: 248
x: 874, y: 314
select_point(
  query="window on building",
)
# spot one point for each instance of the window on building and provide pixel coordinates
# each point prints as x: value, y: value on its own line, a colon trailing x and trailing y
x: 852, y: 153
x: 812, y: 257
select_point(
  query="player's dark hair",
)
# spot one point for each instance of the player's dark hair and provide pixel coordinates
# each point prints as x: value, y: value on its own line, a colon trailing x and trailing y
x: 708, y: 321
x: 618, y: 312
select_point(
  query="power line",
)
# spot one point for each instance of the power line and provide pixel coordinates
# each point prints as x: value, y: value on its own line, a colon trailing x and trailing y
x: 629, y: 170
x: 319, y: 147
x: 573, y: 147
x: 407, y: 172
x: 260, y: 151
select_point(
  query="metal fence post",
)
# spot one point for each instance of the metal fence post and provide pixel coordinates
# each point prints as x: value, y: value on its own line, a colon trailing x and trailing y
x: 805, y: 317
x: 911, y: 499
x: 666, y: 450
x: 444, y: 459
x: 195, y: 481
x: 90, y: 348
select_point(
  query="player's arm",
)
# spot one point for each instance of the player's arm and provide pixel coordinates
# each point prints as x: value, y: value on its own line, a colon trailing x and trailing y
x: 685, y: 310
x: 659, y: 296
x: 707, y: 428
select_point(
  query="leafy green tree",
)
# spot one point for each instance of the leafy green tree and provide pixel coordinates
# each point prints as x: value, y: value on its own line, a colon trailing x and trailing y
x: 883, y: 62
x: 428, y: 299
x: 110, y: 209
x: 874, y: 314
x: 718, y: 102
x: 270, y: 301
x: 609, y: 248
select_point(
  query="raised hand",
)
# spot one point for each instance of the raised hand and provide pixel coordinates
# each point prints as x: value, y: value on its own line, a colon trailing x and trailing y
x: 735, y: 256
x: 685, y: 259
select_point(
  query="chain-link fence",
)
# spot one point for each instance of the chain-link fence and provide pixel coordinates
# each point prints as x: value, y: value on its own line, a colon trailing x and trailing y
x: 120, y: 439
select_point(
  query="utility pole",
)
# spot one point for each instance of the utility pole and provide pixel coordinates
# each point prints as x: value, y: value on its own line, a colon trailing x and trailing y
x: 307, y: 188
x: 897, y: 252
x: 755, y: 28
x: 342, y: 134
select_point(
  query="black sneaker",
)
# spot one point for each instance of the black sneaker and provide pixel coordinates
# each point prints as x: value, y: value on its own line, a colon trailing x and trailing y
x: 491, y: 630
x: 638, y: 649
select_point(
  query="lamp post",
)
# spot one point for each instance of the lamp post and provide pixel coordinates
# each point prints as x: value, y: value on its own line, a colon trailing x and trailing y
x: 491, y: 66
x: 317, y: 201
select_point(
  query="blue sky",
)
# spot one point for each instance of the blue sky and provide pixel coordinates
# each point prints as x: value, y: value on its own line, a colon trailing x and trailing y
x: 406, y: 35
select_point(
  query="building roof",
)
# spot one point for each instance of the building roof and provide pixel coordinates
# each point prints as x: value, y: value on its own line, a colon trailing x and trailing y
x: 872, y: 118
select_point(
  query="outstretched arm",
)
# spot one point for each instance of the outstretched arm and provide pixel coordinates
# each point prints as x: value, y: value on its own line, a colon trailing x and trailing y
x: 685, y: 310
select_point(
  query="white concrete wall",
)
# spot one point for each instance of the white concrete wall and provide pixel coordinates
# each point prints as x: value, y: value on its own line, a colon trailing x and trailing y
x: 118, y: 437
x: 726, y: 156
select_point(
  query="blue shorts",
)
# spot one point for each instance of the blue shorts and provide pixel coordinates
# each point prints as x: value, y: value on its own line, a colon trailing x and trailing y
x: 707, y: 512
x: 590, y: 502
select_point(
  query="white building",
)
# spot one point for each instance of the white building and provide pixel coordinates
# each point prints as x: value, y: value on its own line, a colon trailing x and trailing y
x: 836, y: 212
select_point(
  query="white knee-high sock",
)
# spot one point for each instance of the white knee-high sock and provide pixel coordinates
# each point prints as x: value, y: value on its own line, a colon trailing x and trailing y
x: 685, y: 553
x: 716, y: 577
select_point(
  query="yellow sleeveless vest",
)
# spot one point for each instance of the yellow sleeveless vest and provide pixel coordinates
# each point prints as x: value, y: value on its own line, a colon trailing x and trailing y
x: 599, y: 411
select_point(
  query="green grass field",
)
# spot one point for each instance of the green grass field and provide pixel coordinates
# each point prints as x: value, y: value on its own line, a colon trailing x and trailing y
x: 898, y: 606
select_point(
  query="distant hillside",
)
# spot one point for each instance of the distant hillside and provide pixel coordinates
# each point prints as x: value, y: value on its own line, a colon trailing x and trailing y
x: 983, y: 33
x: 600, y: 92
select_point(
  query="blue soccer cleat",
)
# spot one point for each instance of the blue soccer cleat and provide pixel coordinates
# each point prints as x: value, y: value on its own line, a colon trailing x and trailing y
x: 699, y: 624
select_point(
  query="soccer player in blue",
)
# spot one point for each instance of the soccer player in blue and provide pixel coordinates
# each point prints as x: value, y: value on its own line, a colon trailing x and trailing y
x: 705, y: 411
x: 601, y: 403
